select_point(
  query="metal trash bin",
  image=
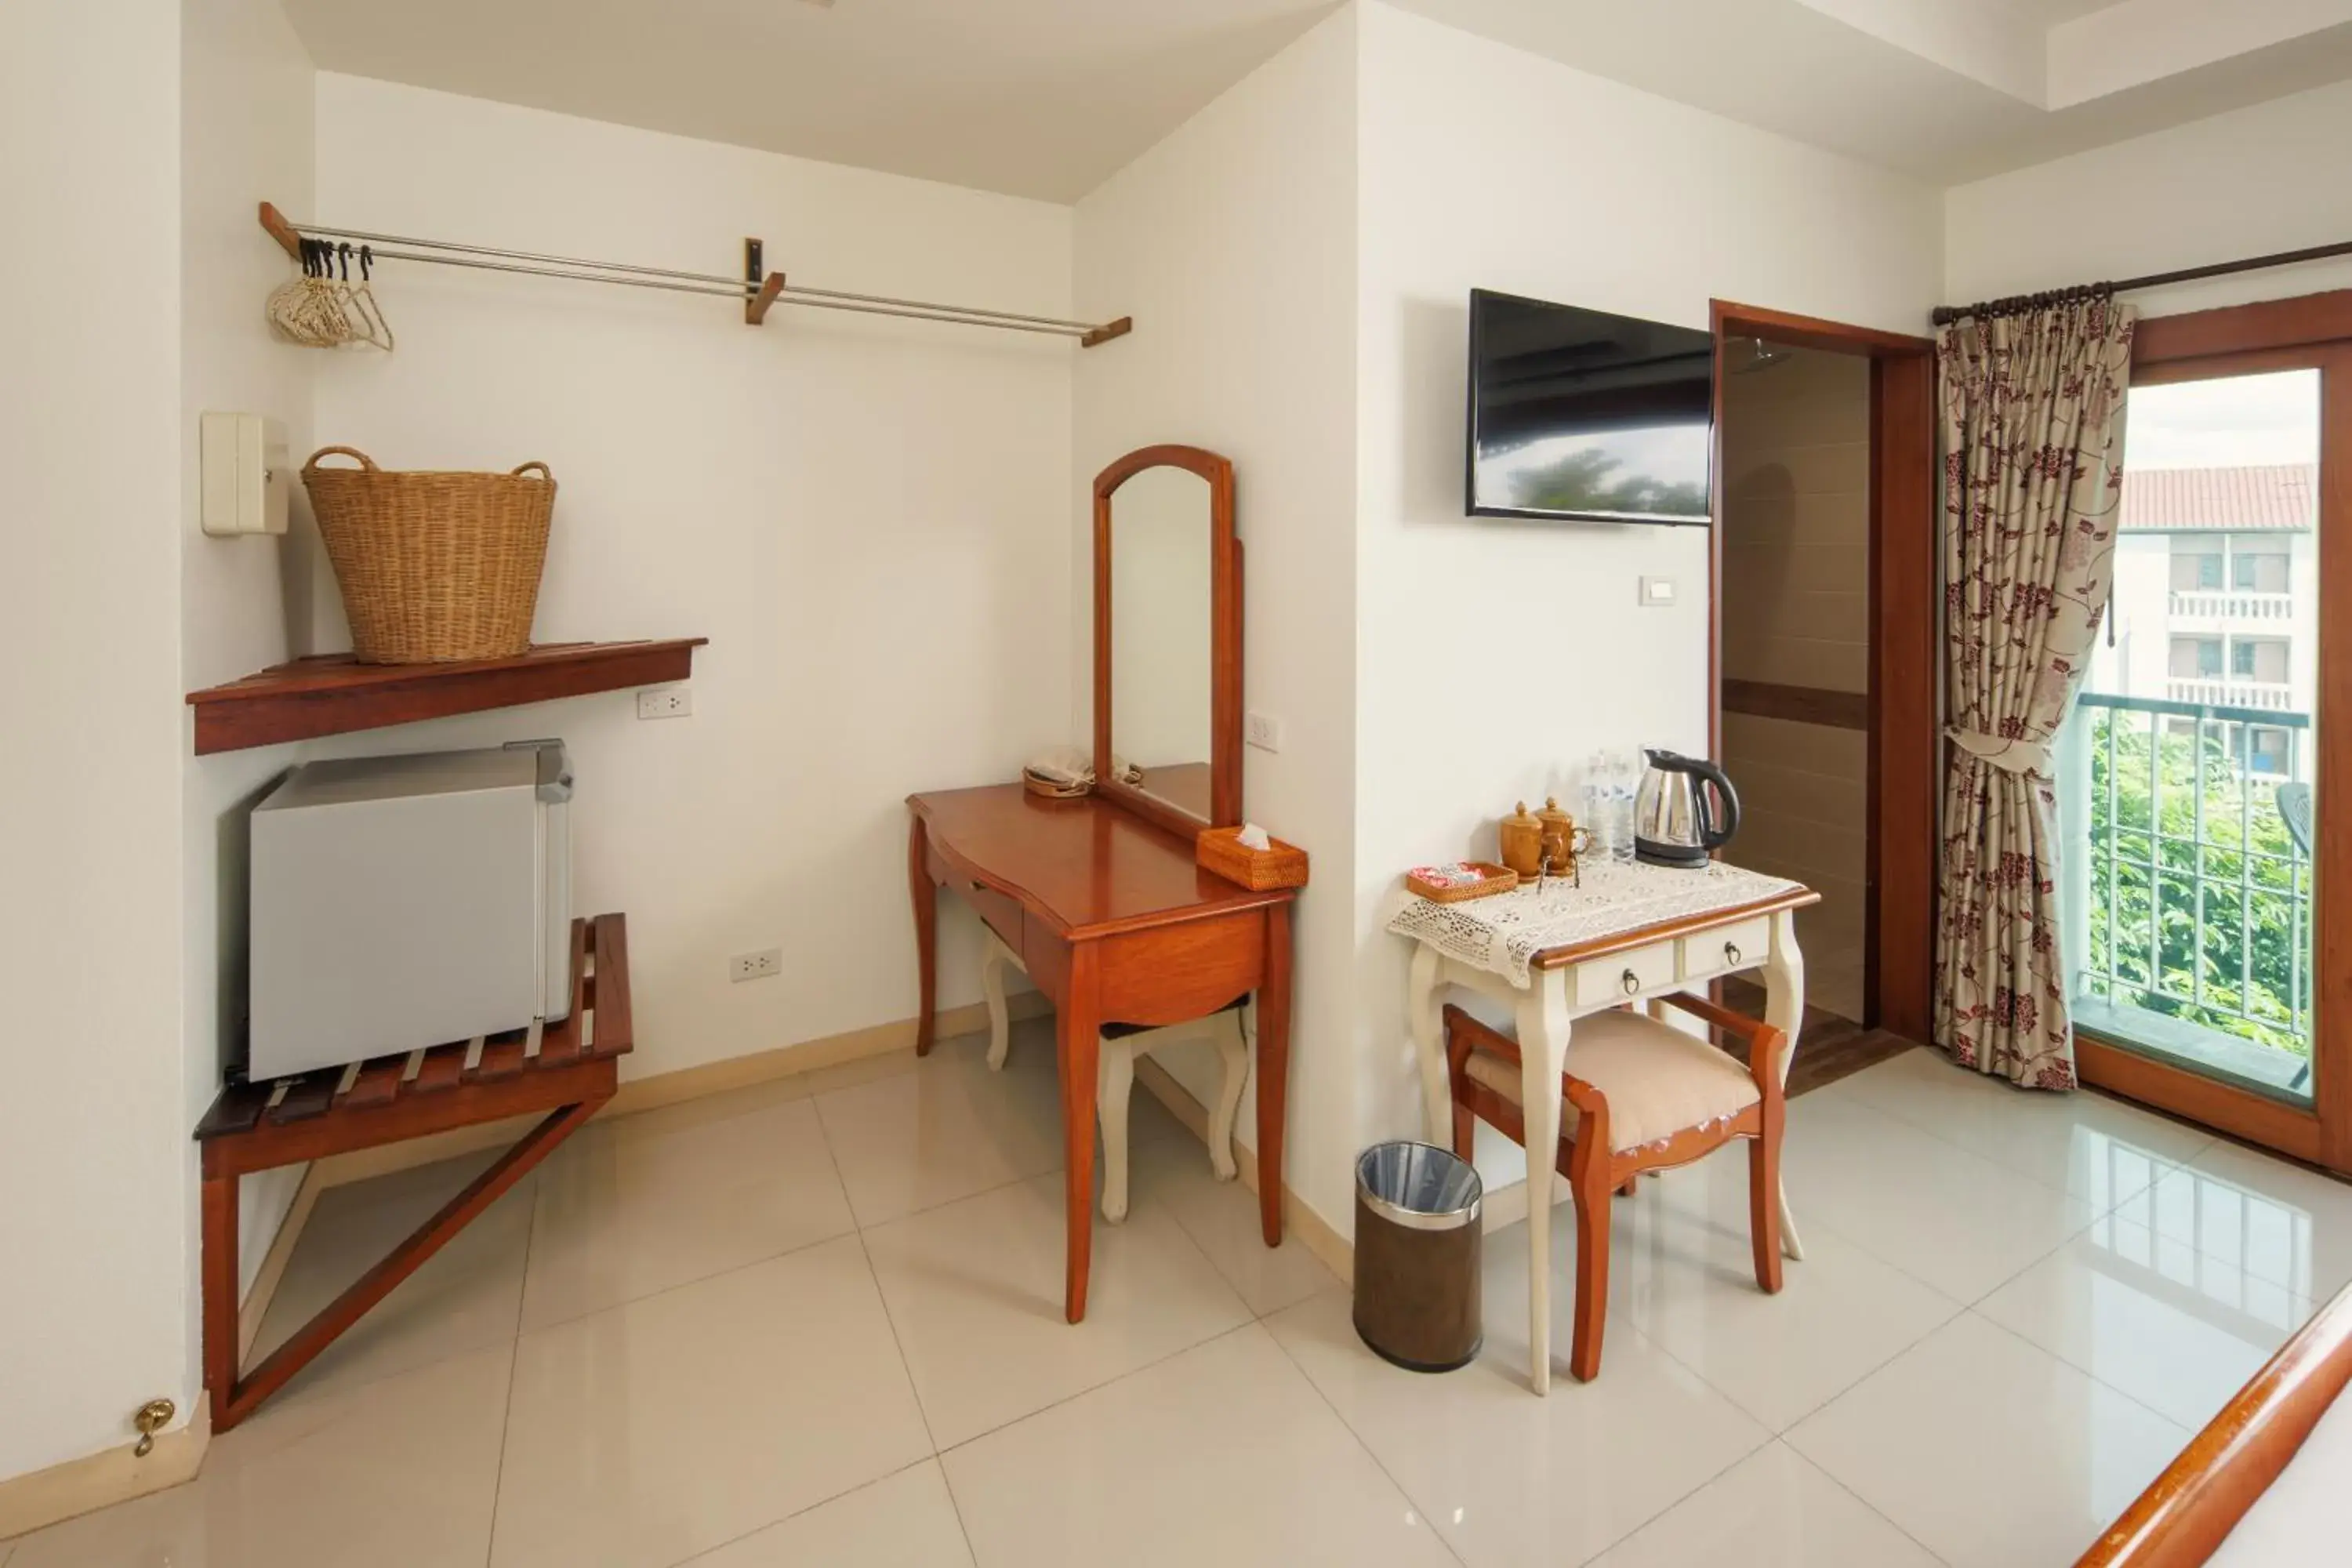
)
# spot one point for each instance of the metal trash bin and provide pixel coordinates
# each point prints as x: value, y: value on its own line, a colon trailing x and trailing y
x: 1417, y: 1256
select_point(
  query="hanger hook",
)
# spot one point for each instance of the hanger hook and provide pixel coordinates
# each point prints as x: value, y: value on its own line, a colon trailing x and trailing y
x: 367, y: 263
x: 347, y: 261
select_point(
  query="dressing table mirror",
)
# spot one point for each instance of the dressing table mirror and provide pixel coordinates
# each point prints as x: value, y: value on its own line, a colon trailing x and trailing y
x: 1101, y: 897
x: 1167, y: 662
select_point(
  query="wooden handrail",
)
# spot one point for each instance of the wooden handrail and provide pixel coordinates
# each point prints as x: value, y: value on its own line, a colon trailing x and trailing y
x: 2186, y: 1512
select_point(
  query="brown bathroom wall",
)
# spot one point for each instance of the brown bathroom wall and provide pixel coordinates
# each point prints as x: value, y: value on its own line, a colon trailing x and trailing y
x: 1795, y: 606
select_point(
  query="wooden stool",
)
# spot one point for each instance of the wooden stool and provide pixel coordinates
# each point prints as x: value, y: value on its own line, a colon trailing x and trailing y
x: 569, y: 1071
x: 1227, y: 1028
x: 1637, y: 1095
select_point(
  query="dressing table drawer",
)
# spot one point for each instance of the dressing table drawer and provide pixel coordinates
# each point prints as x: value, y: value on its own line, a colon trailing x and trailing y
x: 1727, y: 948
x: 1001, y: 911
x: 1621, y: 976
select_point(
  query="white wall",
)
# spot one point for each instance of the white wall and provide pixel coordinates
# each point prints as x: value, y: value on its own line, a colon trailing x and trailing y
x: 2269, y: 178
x: 1495, y: 656
x: 245, y: 137
x: 94, y: 1233
x: 1233, y: 245
x: 868, y: 518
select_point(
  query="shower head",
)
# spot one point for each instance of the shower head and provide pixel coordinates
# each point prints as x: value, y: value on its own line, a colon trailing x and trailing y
x: 1748, y: 355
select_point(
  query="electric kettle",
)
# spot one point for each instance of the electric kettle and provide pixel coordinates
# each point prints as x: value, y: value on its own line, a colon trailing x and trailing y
x: 1676, y: 821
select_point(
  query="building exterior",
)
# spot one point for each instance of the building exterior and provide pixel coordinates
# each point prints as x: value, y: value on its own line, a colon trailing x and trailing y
x: 2215, y: 599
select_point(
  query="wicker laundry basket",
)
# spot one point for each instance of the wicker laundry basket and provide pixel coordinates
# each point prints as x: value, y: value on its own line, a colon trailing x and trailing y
x: 434, y: 567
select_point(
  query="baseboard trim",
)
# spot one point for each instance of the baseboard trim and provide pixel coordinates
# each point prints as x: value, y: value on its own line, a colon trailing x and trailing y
x: 43, y: 1497
x: 657, y: 1089
x: 1330, y: 1247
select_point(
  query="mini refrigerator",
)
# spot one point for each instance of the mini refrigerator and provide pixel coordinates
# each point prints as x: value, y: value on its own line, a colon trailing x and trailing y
x: 400, y: 902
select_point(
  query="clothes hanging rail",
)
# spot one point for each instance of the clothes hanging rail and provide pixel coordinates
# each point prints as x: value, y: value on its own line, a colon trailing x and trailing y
x: 1945, y: 315
x: 758, y: 289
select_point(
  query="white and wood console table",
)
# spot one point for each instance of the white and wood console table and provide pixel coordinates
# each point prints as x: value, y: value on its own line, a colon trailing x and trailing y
x: 1554, y: 954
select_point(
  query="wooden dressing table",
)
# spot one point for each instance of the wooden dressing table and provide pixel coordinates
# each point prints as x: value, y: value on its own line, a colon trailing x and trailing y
x: 1100, y: 897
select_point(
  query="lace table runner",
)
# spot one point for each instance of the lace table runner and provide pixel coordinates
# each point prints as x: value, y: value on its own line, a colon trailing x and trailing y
x: 1503, y: 933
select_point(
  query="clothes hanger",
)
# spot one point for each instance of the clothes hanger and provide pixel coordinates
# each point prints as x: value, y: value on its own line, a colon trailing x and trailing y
x: 374, y: 331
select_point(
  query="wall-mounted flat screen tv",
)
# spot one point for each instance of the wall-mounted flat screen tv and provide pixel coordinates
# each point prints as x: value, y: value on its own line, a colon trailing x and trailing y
x: 1581, y: 415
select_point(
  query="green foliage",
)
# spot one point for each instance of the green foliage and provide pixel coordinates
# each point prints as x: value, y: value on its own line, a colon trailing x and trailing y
x: 2251, y: 938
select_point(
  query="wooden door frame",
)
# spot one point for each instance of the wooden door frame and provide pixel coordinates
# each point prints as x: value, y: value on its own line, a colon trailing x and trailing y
x: 1906, y: 751
x: 2311, y: 330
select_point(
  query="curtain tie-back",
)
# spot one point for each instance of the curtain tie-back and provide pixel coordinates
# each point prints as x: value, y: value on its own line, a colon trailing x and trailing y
x: 2031, y: 758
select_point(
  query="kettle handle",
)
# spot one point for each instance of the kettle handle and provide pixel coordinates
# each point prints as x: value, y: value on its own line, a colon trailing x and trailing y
x: 1714, y: 834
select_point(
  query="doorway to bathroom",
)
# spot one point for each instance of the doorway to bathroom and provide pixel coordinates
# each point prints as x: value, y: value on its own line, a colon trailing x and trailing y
x: 1824, y: 656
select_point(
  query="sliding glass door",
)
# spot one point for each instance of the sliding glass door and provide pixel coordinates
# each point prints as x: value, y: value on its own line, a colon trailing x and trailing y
x: 2193, y: 774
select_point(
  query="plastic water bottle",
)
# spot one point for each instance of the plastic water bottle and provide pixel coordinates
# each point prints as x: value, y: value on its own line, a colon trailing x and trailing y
x: 1623, y: 780
x: 1597, y: 816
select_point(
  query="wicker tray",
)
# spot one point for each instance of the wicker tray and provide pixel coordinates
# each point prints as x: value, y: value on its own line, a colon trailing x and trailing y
x: 1499, y: 880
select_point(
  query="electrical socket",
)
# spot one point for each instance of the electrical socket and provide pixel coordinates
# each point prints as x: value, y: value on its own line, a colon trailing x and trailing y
x: 675, y: 700
x: 764, y: 965
x: 1263, y: 731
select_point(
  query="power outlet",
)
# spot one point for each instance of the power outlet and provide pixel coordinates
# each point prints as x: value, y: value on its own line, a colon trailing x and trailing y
x: 764, y: 965
x: 675, y: 700
x: 1263, y: 731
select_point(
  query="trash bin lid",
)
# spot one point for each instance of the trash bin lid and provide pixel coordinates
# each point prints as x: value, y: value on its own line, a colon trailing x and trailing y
x: 1418, y: 1185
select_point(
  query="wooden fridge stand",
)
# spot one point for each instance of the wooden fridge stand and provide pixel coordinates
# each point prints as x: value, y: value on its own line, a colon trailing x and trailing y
x: 568, y: 1072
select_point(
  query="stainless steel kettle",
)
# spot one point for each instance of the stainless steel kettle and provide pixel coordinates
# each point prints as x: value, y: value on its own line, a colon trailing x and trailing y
x: 1676, y: 820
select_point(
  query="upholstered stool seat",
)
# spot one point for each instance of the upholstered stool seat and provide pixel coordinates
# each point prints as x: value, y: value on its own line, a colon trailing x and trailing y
x: 1658, y: 1079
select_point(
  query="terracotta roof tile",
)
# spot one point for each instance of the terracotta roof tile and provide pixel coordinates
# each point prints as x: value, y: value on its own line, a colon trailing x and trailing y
x: 2280, y: 498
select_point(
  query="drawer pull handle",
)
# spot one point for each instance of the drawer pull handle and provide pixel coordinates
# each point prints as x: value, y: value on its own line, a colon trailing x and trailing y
x: 1730, y: 952
x: 1632, y: 983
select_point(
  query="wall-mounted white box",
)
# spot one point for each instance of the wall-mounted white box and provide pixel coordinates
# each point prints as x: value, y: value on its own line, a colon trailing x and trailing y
x: 245, y: 475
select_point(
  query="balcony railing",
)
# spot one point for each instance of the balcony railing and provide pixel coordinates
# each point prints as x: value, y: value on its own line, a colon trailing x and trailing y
x: 2229, y: 605
x: 2189, y: 916
x: 2213, y: 691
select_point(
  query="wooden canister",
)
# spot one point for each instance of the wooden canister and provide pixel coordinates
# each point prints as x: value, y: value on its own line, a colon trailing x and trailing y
x: 1521, y: 837
x: 1555, y: 832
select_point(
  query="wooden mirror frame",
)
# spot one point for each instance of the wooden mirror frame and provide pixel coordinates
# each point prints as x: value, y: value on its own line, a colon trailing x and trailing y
x: 1224, y: 641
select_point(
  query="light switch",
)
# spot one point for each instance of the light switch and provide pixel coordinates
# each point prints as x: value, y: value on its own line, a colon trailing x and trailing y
x: 245, y: 475
x: 1657, y: 592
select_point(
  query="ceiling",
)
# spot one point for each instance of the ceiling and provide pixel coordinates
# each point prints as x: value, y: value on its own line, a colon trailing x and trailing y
x: 1034, y: 97
x: 1950, y: 90
x: 1047, y: 98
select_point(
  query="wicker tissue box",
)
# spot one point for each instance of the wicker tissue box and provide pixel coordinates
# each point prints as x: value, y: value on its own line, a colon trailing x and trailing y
x: 1280, y: 865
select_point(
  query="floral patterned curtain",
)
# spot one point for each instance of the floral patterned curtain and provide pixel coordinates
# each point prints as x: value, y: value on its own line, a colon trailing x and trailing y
x: 2032, y: 410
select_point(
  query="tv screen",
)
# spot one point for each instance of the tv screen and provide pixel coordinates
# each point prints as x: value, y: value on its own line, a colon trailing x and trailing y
x: 1580, y: 414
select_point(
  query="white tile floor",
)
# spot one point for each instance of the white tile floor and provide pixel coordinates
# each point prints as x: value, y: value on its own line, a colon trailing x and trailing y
x: 819, y: 1323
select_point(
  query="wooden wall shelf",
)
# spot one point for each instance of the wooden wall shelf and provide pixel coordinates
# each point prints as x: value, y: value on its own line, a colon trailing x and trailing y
x: 332, y: 693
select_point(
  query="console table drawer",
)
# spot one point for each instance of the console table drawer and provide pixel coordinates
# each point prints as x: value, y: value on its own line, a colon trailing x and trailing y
x: 1622, y: 976
x: 1001, y: 911
x: 1726, y: 948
